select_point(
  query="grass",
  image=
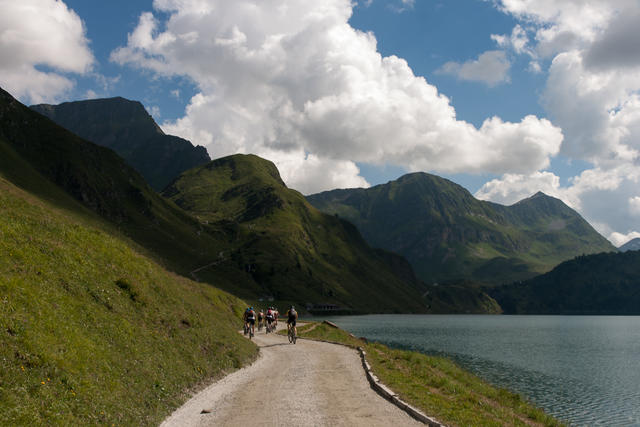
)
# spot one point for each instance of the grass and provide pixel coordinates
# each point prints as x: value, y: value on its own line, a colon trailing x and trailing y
x: 438, y: 386
x: 286, y: 247
x: 243, y: 230
x: 94, y: 332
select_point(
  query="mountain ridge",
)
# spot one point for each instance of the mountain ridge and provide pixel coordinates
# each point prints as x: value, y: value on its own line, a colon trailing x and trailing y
x: 126, y: 127
x: 447, y: 234
x: 597, y: 284
x: 631, y: 245
x: 224, y: 250
x: 284, y: 241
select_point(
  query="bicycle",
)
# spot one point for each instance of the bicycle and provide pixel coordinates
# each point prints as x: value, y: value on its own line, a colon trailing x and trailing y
x: 248, y: 330
x: 292, y: 335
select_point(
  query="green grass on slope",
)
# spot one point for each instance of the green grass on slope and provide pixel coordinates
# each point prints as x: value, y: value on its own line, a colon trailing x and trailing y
x: 92, y: 332
x: 439, y: 387
x: 36, y: 154
x: 291, y: 250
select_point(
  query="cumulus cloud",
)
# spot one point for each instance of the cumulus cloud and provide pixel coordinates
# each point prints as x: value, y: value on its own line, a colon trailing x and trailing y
x: 600, y: 195
x: 511, y: 188
x: 618, y: 45
x: 619, y: 239
x: 491, y: 68
x: 293, y: 81
x: 592, y: 94
x: 562, y: 26
x: 41, y: 33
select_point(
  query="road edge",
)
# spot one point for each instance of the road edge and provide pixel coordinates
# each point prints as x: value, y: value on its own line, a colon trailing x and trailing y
x: 385, y: 391
x: 388, y: 394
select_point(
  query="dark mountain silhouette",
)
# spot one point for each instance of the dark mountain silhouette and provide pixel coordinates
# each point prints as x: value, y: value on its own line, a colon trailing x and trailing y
x: 127, y: 128
x: 605, y: 283
x: 631, y: 245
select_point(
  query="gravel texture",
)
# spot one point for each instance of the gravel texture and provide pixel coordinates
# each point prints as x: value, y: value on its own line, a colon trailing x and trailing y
x: 309, y: 383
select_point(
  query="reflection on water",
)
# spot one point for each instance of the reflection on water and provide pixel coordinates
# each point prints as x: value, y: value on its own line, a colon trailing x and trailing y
x: 581, y: 369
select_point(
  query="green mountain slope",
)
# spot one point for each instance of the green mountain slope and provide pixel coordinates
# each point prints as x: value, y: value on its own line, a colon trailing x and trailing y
x: 447, y: 234
x: 606, y: 283
x: 127, y: 128
x: 92, y: 332
x: 53, y: 163
x: 223, y: 248
x: 292, y: 250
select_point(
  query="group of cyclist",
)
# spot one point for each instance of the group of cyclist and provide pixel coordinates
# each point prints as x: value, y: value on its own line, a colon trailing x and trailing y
x: 270, y: 319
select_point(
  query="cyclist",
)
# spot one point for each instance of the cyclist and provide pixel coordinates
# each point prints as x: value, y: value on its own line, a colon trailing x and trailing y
x: 275, y: 315
x: 260, y: 319
x: 250, y: 319
x: 292, y: 317
x: 269, y: 318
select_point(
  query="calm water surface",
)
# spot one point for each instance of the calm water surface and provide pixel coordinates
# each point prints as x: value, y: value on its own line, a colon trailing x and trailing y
x: 582, y: 369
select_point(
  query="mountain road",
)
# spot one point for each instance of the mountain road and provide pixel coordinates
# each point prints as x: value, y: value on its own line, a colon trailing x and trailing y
x: 308, y: 383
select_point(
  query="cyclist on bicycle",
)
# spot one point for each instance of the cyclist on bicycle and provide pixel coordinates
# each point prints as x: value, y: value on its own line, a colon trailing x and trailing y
x: 270, y: 318
x: 292, y: 317
x: 260, y: 319
x: 250, y: 319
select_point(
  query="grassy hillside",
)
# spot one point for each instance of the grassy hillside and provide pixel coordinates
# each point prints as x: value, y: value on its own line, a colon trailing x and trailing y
x: 92, y: 331
x: 127, y: 128
x: 291, y: 250
x: 607, y: 283
x: 48, y: 161
x: 301, y: 256
x: 447, y: 234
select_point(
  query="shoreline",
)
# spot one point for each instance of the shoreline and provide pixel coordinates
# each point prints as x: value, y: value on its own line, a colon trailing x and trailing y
x: 424, y: 382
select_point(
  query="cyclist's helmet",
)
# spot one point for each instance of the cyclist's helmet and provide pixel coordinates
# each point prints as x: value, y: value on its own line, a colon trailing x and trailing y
x: 292, y: 308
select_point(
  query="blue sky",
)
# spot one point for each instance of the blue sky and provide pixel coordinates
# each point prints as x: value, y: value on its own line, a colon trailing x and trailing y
x: 427, y: 35
x: 505, y: 97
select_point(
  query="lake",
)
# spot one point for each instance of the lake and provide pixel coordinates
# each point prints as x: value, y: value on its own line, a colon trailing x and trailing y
x: 582, y: 369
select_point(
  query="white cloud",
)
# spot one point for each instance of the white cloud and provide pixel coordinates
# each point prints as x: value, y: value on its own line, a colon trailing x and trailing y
x: 602, y: 196
x: 518, y: 40
x: 154, y: 111
x: 491, y: 67
x: 619, y: 239
x: 618, y: 45
x: 296, y: 81
x: 592, y: 94
x: 315, y: 174
x: 599, y: 112
x: 400, y: 6
x: 512, y: 188
x: 559, y: 26
x: 36, y: 33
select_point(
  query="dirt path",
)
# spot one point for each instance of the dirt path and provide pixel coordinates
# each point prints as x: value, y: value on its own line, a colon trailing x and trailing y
x: 309, y: 383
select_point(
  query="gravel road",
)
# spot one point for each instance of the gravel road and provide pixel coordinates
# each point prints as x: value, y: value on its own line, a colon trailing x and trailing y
x: 306, y: 384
